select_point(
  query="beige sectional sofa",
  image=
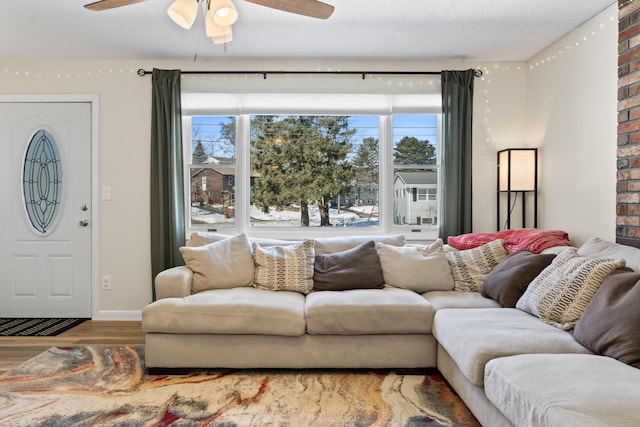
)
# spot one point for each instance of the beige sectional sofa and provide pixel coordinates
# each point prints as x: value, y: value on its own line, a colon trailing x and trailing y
x: 510, y: 366
x: 249, y: 327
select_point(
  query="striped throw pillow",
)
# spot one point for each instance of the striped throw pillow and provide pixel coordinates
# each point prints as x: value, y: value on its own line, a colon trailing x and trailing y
x: 470, y: 267
x: 562, y: 291
x: 284, y: 268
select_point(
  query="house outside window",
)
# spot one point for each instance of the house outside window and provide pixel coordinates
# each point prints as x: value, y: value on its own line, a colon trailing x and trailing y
x: 211, y: 166
x: 415, y: 208
x: 277, y: 175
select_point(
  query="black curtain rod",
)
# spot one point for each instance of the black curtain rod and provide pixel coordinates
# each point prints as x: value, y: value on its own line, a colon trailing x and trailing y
x: 477, y: 72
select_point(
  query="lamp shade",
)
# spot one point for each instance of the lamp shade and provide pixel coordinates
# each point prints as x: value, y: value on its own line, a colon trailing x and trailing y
x: 214, y: 30
x: 224, y: 12
x: 183, y: 12
x: 222, y: 39
x: 517, y: 169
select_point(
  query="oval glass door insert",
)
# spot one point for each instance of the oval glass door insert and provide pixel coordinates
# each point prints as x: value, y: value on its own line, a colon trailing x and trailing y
x: 42, y: 182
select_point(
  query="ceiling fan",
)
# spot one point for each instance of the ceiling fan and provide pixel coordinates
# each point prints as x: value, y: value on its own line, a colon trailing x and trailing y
x: 311, y: 8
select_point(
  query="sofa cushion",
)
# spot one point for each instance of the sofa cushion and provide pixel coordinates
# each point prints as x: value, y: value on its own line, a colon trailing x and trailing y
x: 224, y: 264
x: 564, y: 390
x: 473, y: 336
x: 327, y: 245
x: 368, y: 311
x: 419, y: 268
x: 228, y: 311
x: 561, y: 292
x: 509, y: 279
x: 201, y: 238
x: 453, y: 299
x: 597, y: 247
x: 610, y: 325
x: 284, y: 268
x: 470, y: 267
x: 356, y: 268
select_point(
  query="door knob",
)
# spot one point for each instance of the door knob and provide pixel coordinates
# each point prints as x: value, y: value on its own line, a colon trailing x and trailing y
x: 84, y: 223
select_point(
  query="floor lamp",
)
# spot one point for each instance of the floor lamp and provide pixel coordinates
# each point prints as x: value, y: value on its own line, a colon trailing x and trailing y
x: 517, y: 175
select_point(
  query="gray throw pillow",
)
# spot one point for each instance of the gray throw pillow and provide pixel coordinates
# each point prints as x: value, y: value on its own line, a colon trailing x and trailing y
x: 610, y: 325
x: 509, y: 279
x: 357, y: 268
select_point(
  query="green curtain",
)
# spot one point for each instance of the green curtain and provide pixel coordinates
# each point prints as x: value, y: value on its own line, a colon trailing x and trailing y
x: 167, y: 191
x: 457, y: 118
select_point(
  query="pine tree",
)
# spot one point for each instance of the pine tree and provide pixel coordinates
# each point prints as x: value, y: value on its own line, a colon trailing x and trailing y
x: 199, y: 154
x: 412, y: 151
x: 367, y: 160
x: 300, y: 159
x: 227, y: 141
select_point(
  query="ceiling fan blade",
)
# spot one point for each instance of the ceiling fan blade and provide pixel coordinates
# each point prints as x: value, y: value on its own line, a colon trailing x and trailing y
x: 312, y: 8
x: 109, y: 4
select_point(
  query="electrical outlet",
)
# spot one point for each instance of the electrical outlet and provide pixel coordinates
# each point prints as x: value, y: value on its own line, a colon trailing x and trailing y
x: 106, y: 283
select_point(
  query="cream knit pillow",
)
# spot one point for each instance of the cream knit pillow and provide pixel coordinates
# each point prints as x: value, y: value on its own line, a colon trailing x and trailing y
x: 562, y: 291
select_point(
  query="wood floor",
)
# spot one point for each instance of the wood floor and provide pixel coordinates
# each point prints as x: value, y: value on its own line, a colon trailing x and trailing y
x: 15, y: 350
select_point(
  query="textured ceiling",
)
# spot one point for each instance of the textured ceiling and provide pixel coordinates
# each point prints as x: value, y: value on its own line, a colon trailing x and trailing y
x: 510, y: 30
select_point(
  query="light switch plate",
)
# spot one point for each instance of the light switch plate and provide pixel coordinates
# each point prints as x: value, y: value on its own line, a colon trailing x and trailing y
x: 106, y: 192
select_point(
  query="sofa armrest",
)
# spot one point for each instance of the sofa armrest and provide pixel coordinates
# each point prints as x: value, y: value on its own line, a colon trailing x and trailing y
x: 174, y: 282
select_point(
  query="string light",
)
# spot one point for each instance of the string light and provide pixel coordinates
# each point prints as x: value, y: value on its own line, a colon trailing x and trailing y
x: 102, y: 72
x: 546, y: 58
x: 487, y: 145
x: 543, y: 59
x: 623, y: 5
x: 65, y: 75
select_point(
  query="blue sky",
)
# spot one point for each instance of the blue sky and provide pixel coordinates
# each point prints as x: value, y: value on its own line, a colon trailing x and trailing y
x: 419, y: 126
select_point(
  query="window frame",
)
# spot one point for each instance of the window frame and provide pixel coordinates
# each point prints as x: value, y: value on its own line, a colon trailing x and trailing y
x: 242, y: 223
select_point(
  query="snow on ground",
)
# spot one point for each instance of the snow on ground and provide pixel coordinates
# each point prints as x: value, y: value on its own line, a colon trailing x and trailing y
x: 278, y: 217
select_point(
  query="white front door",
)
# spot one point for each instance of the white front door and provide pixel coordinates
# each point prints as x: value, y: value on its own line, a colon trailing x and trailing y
x: 45, y: 210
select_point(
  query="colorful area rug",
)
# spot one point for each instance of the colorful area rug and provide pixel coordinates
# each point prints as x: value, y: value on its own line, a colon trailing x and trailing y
x: 107, y: 386
x: 28, y: 327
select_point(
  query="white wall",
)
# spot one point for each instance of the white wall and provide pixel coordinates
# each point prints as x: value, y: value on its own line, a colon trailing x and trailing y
x: 502, y: 97
x: 572, y: 112
x: 499, y: 122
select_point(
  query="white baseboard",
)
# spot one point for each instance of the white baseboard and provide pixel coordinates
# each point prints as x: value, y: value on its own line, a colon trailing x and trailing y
x: 118, y: 315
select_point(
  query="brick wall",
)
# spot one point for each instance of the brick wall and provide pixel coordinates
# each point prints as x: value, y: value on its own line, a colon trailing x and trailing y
x: 628, y: 183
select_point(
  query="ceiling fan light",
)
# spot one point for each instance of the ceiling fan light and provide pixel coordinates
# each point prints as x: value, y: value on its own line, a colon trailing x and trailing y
x: 183, y: 12
x: 226, y: 38
x: 214, y: 30
x: 224, y: 12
